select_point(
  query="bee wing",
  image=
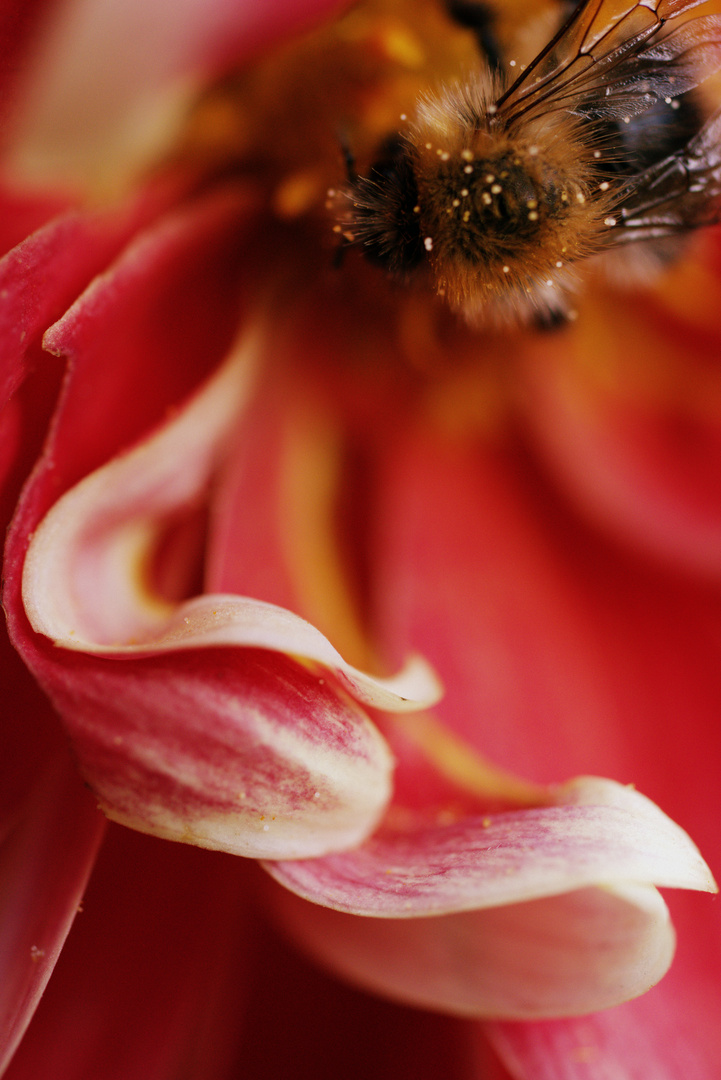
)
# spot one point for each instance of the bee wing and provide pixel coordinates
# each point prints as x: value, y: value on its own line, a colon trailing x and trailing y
x: 680, y: 193
x: 600, y: 65
x: 673, y: 63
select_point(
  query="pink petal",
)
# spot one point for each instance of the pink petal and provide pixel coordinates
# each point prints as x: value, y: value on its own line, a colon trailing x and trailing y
x: 147, y: 307
x: 102, y: 530
x: 531, y: 937
x: 287, y: 463
x: 127, y: 1002
x: 46, y: 855
x: 44, y: 273
x: 49, y: 834
x: 244, y: 752
x: 153, y: 980
x: 647, y: 1039
x: 561, y: 654
x: 109, y: 84
x: 558, y: 655
x: 598, y: 833
x: 637, y: 444
x: 568, y: 954
x: 670, y: 1034
x: 162, y: 317
x: 262, y: 756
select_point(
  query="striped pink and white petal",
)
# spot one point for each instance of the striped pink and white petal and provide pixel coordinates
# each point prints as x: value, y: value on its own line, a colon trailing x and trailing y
x: 248, y: 743
x: 50, y: 827
x: 83, y: 581
x: 222, y: 721
x: 595, y: 832
x: 523, y: 914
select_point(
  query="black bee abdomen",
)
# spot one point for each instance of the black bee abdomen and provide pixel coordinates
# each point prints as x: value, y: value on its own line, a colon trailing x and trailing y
x: 385, y: 212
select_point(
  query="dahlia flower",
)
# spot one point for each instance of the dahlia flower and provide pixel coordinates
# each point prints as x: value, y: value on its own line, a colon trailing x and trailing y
x: 394, y: 616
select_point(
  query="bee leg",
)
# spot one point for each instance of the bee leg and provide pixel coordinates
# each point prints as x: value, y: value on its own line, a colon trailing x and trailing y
x: 477, y: 17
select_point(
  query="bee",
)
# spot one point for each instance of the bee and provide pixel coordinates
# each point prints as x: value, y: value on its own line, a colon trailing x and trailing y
x: 494, y: 193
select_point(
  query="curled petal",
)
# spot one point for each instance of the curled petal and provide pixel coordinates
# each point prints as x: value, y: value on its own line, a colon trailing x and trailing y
x: 524, y: 914
x: 558, y: 956
x: 598, y: 833
x: 237, y: 750
x: 83, y: 584
x: 258, y: 751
